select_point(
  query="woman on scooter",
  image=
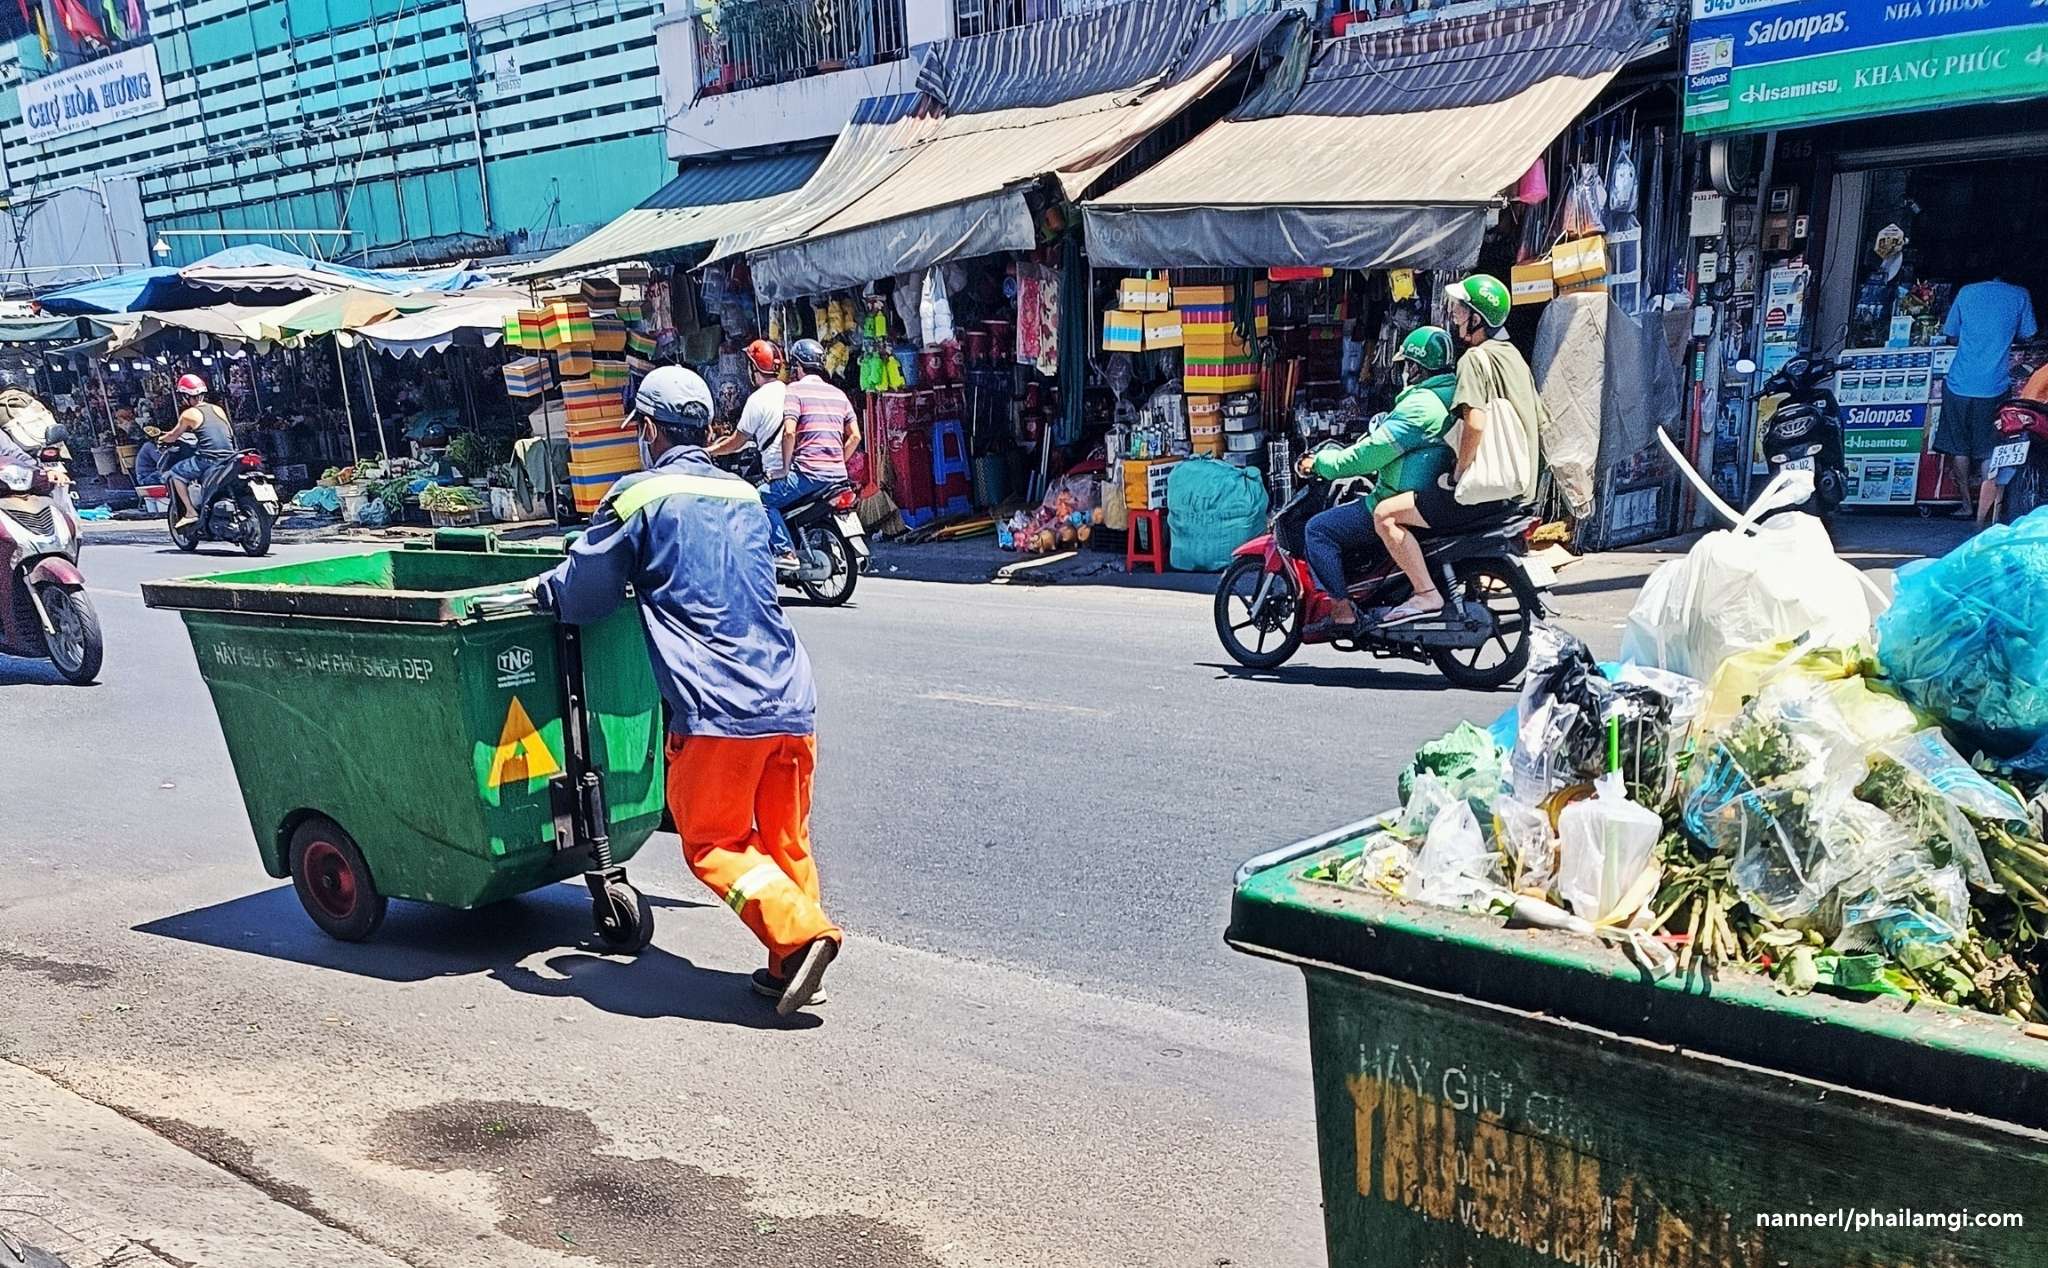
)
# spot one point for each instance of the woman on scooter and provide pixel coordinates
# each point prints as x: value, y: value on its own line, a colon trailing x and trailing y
x: 1405, y: 449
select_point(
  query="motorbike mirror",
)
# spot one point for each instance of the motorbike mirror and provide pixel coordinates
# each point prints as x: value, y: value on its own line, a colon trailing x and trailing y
x: 56, y: 435
x: 1745, y: 366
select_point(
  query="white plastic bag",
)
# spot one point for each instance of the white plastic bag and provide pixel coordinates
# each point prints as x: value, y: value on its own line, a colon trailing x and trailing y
x: 935, y: 310
x: 1750, y: 586
x: 1607, y: 857
x: 1455, y: 869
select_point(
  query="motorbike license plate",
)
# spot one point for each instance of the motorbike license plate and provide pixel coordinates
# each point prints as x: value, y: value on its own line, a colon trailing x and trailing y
x: 2011, y: 454
x: 1798, y: 464
x: 849, y: 524
x: 266, y: 495
x: 1540, y: 574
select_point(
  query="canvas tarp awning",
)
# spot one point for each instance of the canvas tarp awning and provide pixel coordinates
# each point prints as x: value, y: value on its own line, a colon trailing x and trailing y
x: 473, y: 318
x: 1388, y: 150
x: 262, y: 268
x: 914, y: 181
x: 37, y: 329
x: 221, y: 322
x: 702, y: 204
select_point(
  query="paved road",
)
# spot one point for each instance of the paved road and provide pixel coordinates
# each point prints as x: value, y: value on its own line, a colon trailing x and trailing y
x: 1037, y: 1050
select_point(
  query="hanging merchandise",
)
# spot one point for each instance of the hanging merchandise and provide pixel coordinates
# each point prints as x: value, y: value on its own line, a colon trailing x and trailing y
x: 1585, y: 203
x: 935, y: 310
x: 1622, y: 185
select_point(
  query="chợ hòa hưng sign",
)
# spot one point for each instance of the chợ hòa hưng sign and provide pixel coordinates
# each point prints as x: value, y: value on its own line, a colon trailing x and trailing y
x: 1782, y: 63
x: 124, y: 85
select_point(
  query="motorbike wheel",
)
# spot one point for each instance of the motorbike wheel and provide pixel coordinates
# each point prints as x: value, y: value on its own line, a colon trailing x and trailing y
x: 2023, y: 494
x: 1236, y: 622
x: 255, y: 538
x: 1504, y: 590
x: 77, y: 648
x: 837, y: 588
x: 187, y: 539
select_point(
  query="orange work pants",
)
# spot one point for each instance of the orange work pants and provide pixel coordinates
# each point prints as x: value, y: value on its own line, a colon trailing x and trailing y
x: 743, y: 809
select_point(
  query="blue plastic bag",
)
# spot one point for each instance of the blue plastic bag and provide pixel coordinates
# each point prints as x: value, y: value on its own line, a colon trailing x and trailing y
x: 1212, y: 508
x: 1966, y: 638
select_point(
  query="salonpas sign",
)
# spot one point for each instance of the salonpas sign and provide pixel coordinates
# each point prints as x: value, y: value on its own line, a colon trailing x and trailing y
x: 122, y: 86
x: 1774, y: 63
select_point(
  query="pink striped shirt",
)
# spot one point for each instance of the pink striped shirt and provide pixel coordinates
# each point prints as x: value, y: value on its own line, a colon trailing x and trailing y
x: 820, y: 413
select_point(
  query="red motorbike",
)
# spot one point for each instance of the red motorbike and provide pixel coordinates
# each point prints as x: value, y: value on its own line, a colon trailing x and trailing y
x: 44, y: 612
x: 2023, y: 424
x: 1268, y: 598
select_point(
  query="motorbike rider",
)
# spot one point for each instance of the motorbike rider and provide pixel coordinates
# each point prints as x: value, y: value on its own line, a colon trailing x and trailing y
x: 818, y: 430
x: 1405, y: 449
x: 691, y: 542
x: 761, y: 419
x: 214, y: 443
x: 1490, y: 370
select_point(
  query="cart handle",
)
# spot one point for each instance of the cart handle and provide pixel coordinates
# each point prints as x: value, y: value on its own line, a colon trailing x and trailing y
x: 1302, y: 849
x: 513, y: 602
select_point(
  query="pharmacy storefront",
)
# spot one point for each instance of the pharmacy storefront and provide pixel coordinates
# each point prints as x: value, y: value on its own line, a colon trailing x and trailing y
x: 1873, y: 158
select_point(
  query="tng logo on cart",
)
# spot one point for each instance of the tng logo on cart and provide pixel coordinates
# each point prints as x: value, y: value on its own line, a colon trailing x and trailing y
x: 515, y: 667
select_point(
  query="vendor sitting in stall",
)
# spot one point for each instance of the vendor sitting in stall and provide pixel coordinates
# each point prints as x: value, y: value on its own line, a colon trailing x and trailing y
x: 1405, y: 449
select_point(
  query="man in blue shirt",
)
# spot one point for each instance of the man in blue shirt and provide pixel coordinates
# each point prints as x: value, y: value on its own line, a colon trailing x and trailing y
x: 692, y: 542
x: 1983, y: 321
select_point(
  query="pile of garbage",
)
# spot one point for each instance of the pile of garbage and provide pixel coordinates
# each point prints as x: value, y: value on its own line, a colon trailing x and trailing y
x: 1773, y: 780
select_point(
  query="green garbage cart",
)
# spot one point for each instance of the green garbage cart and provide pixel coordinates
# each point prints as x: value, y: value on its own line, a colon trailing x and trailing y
x: 405, y: 724
x: 1491, y: 1096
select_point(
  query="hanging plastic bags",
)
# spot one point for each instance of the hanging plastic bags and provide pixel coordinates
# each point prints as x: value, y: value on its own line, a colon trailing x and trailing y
x: 1753, y: 585
x: 935, y: 310
x: 1967, y: 638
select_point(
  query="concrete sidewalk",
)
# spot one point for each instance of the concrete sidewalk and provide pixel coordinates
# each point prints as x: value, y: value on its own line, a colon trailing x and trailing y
x: 97, y: 1189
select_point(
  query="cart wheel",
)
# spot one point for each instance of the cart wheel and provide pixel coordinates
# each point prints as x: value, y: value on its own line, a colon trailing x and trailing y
x: 333, y: 881
x: 625, y: 919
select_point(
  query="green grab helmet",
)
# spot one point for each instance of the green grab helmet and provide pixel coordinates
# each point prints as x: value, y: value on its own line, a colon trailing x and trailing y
x: 1483, y: 295
x: 1428, y: 348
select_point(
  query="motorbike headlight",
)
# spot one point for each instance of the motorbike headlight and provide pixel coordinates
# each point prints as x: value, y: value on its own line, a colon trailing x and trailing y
x: 17, y: 479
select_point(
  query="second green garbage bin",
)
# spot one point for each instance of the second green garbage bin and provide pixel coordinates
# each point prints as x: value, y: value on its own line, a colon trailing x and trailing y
x: 1495, y: 1097
x: 402, y: 727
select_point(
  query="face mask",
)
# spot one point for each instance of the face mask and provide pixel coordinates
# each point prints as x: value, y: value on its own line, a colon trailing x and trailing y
x: 646, y: 448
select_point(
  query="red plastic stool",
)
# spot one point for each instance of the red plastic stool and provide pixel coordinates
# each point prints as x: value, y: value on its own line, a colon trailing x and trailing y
x: 1154, y: 553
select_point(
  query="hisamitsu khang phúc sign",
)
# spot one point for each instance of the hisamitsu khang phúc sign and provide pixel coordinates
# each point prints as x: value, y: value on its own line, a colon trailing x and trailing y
x: 1780, y: 63
x: 123, y: 85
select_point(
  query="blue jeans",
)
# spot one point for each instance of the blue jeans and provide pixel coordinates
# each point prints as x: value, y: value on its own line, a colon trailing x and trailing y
x: 787, y: 490
x: 1330, y: 535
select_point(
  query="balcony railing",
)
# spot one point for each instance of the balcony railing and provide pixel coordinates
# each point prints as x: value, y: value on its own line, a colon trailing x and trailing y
x: 750, y: 43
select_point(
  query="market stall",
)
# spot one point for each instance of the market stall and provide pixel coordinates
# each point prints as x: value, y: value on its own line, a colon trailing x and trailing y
x: 1271, y: 265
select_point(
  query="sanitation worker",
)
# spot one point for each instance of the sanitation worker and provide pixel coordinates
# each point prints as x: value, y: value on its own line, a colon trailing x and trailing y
x: 693, y: 543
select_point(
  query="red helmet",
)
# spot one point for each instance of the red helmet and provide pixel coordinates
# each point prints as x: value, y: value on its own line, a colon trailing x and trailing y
x: 191, y: 385
x: 767, y: 358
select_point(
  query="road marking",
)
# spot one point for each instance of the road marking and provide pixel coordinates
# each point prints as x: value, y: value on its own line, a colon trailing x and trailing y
x: 1005, y: 702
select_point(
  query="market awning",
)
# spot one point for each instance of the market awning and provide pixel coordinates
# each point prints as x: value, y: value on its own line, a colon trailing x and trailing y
x: 1389, y: 150
x: 473, y: 319
x: 222, y: 322
x: 703, y: 203
x: 257, y: 267
x: 944, y: 173
x: 38, y: 329
x: 328, y: 314
x: 137, y: 290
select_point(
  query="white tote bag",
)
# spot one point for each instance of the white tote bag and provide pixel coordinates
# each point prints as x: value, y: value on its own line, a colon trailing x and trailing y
x: 1503, y: 467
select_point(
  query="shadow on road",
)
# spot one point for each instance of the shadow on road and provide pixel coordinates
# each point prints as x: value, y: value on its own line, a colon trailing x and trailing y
x: 1362, y: 677
x: 420, y: 942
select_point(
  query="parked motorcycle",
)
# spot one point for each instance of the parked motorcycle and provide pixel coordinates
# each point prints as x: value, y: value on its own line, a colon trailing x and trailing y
x: 1268, y: 598
x: 2023, y: 424
x: 44, y: 611
x: 1805, y: 430
x: 237, y: 503
x: 831, y: 545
